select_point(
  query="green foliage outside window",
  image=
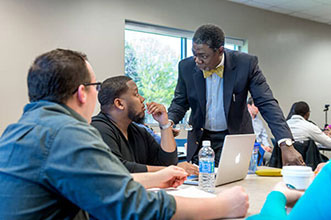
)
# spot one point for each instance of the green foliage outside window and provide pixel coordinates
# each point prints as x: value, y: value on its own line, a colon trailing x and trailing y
x: 153, y: 66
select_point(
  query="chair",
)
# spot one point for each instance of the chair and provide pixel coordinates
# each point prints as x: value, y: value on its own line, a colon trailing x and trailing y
x: 308, y: 149
x: 180, y: 142
x: 310, y: 153
x: 260, y: 155
x: 276, y: 156
x: 181, y: 149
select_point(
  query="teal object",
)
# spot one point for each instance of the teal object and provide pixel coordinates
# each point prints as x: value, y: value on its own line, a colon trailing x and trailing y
x: 314, y: 204
x: 254, y: 159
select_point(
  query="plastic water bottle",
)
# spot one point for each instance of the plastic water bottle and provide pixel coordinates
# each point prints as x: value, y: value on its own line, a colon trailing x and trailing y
x: 253, y: 163
x: 206, y: 167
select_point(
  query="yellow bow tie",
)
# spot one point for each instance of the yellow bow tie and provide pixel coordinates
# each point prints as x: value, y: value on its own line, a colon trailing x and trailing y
x: 219, y: 71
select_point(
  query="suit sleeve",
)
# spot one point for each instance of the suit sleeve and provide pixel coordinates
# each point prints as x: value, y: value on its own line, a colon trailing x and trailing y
x: 179, y: 104
x: 267, y: 104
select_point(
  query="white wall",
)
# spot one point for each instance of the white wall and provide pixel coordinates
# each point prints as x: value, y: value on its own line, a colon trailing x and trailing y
x: 294, y: 53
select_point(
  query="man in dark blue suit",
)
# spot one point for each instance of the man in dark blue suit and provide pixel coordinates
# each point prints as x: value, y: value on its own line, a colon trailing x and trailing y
x: 214, y: 83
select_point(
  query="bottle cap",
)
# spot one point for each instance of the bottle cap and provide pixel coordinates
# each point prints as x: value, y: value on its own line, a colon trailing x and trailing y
x: 206, y: 143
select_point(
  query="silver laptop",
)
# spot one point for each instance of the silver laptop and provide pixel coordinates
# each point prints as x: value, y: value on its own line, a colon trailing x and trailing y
x: 235, y: 158
x: 234, y: 161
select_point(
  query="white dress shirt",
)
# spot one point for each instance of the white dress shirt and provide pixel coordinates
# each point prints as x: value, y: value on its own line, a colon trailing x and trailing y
x: 304, y: 130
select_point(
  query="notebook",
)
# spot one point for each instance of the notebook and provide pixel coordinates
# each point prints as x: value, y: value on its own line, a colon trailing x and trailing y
x: 234, y: 161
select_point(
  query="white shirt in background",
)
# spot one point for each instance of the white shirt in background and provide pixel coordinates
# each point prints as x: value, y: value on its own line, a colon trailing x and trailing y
x: 303, y: 130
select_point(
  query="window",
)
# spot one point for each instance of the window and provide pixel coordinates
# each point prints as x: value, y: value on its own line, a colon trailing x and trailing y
x: 235, y: 44
x: 152, y: 54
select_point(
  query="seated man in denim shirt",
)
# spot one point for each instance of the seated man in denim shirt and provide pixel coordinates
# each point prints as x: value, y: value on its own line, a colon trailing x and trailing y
x: 53, y: 163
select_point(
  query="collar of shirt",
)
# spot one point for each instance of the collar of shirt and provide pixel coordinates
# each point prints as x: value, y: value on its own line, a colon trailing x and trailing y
x: 297, y: 117
x: 222, y: 61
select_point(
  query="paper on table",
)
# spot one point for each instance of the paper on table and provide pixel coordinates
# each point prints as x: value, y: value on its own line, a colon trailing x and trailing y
x: 190, y: 192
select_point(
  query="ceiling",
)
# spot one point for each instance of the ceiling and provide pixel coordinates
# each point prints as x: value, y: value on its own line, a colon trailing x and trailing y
x: 315, y: 10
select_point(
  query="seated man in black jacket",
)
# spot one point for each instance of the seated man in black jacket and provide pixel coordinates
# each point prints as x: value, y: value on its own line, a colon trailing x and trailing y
x: 121, y: 105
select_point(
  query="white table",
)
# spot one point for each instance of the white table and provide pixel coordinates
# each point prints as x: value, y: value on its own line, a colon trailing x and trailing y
x: 257, y: 188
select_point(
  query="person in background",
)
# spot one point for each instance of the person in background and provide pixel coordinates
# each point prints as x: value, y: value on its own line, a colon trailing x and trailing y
x: 327, y: 130
x: 291, y: 112
x: 150, y: 131
x: 314, y: 203
x: 214, y: 83
x: 121, y: 105
x: 53, y: 163
x: 259, y: 130
x: 302, y: 129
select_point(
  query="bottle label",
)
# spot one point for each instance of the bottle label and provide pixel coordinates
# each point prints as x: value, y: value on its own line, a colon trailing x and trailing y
x: 253, y: 163
x: 206, y: 167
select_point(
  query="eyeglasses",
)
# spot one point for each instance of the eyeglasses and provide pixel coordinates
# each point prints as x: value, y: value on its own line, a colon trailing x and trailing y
x: 96, y: 84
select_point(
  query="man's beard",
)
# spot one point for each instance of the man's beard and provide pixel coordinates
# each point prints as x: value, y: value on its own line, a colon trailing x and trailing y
x: 140, y: 119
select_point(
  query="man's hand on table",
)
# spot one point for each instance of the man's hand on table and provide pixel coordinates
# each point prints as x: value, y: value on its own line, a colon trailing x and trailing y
x: 191, y: 169
x: 290, y: 156
x: 237, y: 201
x: 171, y: 176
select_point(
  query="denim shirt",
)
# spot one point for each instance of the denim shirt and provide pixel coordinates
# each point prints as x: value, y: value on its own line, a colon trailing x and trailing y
x: 53, y: 163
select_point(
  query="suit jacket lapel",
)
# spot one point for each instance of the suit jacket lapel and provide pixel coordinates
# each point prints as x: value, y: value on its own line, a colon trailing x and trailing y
x: 229, y: 77
x: 200, y: 85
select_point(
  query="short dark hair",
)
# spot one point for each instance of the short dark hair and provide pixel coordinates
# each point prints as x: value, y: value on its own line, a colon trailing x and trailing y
x: 291, y: 112
x: 209, y: 34
x: 301, y: 108
x: 111, y: 89
x: 55, y: 75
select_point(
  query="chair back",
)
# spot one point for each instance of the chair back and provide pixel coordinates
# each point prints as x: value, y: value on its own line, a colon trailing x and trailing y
x: 276, y: 155
x: 308, y: 149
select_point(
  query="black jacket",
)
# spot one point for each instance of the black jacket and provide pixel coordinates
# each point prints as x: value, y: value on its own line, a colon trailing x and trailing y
x: 241, y: 74
x: 138, y: 151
